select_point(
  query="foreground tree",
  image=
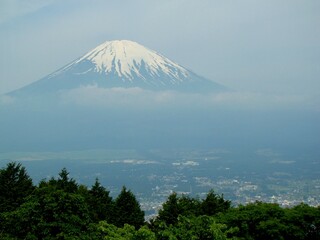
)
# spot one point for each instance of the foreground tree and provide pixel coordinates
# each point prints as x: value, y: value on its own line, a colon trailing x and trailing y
x: 197, y: 228
x: 213, y: 204
x: 269, y: 221
x: 170, y: 211
x: 100, y: 203
x: 15, y: 186
x: 127, y: 232
x: 49, y: 214
x: 127, y: 210
x: 62, y: 209
x: 302, y: 222
x: 64, y: 182
x: 177, y: 206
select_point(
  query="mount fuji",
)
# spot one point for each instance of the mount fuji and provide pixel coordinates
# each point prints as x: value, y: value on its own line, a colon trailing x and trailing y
x: 121, y: 64
x: 122, y: 95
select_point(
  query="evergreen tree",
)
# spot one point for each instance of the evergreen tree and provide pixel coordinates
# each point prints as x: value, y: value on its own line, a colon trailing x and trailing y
x: 176, y: 206
x: 101, y: 204
x: 61, y: 209
x: 65, y: 183
x: 128, y: 210
x: 170, y: 210
x: 49, y: 213
x: 214, y: 204
x: 302, y: 222
x: 256, y: 221
x: 15, y: 186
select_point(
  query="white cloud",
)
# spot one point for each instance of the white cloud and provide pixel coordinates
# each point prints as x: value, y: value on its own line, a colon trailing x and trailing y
x: 92, y: 95
x: 109, y: 97
x: 261, y: 100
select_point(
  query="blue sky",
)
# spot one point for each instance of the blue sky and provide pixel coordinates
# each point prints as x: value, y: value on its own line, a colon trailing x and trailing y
x: 267, y: 47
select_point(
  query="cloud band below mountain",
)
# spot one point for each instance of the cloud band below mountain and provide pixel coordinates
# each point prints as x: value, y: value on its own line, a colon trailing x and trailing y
x: 95, y: 96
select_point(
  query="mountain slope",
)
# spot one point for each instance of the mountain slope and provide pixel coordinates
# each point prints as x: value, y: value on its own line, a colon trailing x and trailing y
x: 122, y: 64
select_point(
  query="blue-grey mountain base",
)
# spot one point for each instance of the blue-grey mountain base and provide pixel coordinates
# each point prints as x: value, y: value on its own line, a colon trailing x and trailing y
x: 121, y: 64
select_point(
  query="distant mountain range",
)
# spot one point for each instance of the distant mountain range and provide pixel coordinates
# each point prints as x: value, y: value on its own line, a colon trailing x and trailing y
x: 121, y: 64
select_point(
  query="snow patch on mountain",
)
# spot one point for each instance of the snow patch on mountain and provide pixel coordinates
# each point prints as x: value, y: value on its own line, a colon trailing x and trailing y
x: 122, y: 64
x: 127, y: 59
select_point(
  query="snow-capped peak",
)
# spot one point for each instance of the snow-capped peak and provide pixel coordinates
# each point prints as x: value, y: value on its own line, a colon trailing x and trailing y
x: 123, y: 64
x: 127, y: 57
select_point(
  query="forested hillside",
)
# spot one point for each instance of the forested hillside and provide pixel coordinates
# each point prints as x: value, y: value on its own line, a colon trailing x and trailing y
x: 60, y: 208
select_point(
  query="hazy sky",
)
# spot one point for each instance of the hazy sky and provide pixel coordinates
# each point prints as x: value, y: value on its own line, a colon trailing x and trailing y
x: 256, y: 46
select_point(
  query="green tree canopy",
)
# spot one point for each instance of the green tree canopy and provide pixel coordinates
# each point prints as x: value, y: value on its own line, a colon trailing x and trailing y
x: 127, y: 210
x: 256, y: 221
x: 214, y: 203
x: 100, y: 202
x: 127, y: 232
x: 62, y: 209
x: 187, y: 206
x: 197, y: 228
x: 63, y: 182
x: 48, y: 213
x: 15, y: 186
x: 170, y: 210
